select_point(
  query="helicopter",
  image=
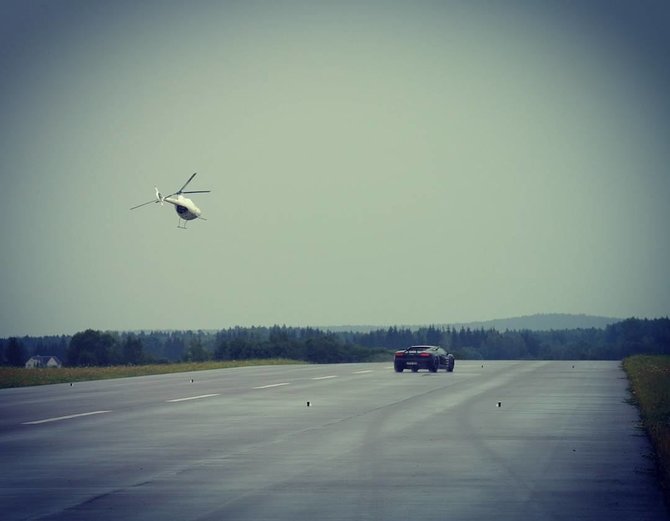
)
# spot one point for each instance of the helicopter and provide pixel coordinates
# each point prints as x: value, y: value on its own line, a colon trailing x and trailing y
x: 186, y: 209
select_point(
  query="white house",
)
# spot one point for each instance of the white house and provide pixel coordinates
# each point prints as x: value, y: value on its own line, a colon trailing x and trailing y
x: 44, y: 361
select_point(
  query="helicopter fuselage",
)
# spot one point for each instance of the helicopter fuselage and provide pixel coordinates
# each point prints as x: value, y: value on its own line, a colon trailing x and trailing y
x: 185, y: 208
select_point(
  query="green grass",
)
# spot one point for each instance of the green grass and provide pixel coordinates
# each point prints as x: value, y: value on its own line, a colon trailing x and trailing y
x: 21, y: 377
x: 649, y: 377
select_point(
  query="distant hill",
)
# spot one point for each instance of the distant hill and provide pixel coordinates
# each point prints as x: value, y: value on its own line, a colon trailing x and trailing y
x: 543, y: 322
x: 538, y: 322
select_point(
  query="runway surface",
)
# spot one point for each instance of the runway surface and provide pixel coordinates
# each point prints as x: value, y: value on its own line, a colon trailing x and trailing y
x: 505, y: 441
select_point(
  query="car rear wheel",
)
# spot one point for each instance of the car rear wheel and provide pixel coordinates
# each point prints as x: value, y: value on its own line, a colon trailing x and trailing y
x: 435, y: 366
x: 399, y: 368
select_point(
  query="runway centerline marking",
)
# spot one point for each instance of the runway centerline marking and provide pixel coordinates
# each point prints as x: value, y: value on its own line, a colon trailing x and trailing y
x: 272, y: 385
x: 192, y: 398
x: 361, y: 372
x: 59, y: 418
x: 324, y: 377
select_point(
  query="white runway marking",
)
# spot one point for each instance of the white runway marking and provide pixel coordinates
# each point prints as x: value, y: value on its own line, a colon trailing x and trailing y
x: 324, y: 377
x: 361, y: 372
x: 272, y: 385
x: 192, y: 398
x: 48, y: 420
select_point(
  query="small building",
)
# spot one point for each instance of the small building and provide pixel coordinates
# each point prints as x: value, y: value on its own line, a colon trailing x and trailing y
x: 43, y: 361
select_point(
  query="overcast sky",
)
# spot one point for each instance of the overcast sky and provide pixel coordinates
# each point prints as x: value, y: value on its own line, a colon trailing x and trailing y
x: 370, y: 162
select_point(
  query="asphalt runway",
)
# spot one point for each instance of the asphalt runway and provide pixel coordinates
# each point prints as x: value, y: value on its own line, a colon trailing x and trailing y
x: 504, y: 441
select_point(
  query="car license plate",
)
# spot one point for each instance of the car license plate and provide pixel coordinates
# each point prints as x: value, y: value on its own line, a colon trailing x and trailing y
x: 412, y: 363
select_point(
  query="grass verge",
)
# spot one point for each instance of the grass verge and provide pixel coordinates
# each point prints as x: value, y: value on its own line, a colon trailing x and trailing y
x: 649, y: 377
x: 21, y: 377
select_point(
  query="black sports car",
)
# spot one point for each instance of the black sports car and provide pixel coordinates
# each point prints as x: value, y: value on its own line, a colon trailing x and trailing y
x: 432, y: 358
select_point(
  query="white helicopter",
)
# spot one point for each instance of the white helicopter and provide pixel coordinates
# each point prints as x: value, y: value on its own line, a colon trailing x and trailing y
x: 186, y: 209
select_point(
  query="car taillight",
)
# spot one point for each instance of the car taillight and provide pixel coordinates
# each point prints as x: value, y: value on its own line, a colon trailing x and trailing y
x: 400, y: 353
x: 424, y: 355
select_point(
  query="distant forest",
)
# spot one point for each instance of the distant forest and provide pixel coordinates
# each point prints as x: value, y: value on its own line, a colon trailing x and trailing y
x: 101, y: 348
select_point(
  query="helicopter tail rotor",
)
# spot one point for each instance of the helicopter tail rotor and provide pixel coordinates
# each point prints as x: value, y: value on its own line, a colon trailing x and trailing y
x: 159, y: 199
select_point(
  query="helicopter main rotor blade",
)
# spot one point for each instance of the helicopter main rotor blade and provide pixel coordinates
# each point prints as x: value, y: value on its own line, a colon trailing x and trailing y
x: 144, y: 204
x: 181, y: 190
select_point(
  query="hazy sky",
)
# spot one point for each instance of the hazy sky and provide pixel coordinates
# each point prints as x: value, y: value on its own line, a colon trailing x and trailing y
x: 370, y: 162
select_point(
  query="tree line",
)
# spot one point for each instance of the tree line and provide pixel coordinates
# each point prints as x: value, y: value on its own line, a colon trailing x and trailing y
x: 102, y: 348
